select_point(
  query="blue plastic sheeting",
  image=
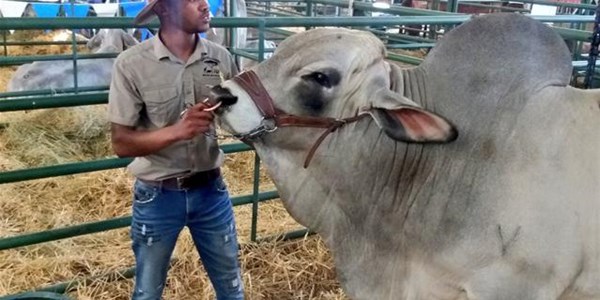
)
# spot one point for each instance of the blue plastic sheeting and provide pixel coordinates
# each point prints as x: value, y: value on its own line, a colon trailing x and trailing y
x: 131, y: 9
x: 81, y: 10
x: 214, y: 6
x: 45, y: 10
x: 145, y: 34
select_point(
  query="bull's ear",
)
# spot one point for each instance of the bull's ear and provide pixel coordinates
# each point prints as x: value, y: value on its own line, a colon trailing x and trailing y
x: 403, y: 120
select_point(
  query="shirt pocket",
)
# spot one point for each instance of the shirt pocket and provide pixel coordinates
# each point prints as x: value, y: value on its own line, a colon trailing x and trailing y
x: 162, y: 105
x: 207, y: 76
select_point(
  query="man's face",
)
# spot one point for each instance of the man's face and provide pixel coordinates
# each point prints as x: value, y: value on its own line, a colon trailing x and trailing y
x: 192, y: 16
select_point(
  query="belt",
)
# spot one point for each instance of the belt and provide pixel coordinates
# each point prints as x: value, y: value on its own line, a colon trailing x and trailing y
x: 187, y: 181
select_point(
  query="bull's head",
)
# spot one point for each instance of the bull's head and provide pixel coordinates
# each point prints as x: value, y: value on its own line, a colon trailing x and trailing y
x: 328, y: 75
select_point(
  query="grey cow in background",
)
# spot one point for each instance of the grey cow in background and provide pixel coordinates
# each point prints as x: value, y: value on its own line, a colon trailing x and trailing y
x: 58, y: 74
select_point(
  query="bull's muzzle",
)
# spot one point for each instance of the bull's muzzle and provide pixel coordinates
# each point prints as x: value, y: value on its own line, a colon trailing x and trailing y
x: 221, y: 96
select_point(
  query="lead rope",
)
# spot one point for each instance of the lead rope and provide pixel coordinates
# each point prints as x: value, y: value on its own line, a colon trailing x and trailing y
x: 591, y: 67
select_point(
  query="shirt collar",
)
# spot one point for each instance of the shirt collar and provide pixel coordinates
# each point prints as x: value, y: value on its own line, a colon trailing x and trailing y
x: 161, y: 51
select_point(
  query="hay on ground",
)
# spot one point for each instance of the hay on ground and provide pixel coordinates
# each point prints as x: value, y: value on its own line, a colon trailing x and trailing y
x: 300, y: 269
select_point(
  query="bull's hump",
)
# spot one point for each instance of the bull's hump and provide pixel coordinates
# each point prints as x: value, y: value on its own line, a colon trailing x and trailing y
x: 502, y: 49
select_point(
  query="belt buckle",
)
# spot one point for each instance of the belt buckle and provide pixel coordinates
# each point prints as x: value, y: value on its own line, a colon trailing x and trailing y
x: 181, y: 181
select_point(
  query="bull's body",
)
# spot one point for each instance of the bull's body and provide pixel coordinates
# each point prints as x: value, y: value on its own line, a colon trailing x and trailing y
x: 510, y: 210
x: 58, y: 74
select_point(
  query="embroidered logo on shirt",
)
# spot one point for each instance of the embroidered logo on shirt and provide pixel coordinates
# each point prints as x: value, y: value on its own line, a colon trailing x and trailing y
x: 211, y: 67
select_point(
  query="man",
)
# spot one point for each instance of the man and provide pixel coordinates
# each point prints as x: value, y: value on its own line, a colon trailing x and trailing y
x: 158, y: 116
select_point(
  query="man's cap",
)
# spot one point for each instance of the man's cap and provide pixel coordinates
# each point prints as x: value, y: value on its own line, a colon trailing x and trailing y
x: 146, y: 14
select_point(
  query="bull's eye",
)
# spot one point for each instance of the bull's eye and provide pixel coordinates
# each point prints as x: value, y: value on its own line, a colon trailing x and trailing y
x: 320, y: 78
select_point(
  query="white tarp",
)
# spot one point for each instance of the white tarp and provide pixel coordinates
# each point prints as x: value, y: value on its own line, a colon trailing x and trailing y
x: 12, y: 9
x: 543, y: 10
x: 106, y: 9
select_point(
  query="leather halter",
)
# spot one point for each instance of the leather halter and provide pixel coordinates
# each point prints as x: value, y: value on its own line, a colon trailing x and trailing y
x: 250, y: 82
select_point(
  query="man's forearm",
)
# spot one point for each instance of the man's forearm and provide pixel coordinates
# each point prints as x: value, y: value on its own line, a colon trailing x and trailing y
x: 128, y: 142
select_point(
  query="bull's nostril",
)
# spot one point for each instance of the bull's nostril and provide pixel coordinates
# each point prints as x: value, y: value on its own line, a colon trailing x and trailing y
x: 219, y: 94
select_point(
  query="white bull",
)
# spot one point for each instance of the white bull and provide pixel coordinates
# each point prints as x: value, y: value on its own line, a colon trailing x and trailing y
x: 59, y: 74
x: 508, y: 210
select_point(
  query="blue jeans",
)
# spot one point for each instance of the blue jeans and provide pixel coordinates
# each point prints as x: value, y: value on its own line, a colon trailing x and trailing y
x: 159, y: 215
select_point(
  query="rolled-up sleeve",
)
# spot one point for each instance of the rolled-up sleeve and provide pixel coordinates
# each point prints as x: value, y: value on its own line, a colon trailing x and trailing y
x: 124, y: 100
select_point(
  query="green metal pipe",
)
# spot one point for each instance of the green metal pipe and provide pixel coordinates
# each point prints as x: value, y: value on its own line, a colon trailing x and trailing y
x: 63, y: 233
x: 493, y: 7
x: 405, y: 37
x: 404, y: 58
x: 573, y: 34
x: 255, y: 198
x: 410, y: 46
x: 266, y: 1
x: 37, y: 296
x: 67, y: 286
x: 71, y: 23
x: 394, y: 9
x: 74, y: 53
x: 292, y: 235
x: 235, y: 147
x: 428, y: 18
x: 88, y: 166
x: 4, y: 42
x: 278, y: 12
x: 91, y: 98
x: 560, y: 4
x: 266, y: 13
x: 40, y: 43
x: 63, y: 169
x: 19, y: 60
x: 243, y: 53
x: 248, y: 50
x: 290, y: 13
x: 452, y: 6
x: 279, y: 31
x: 105, y: 225
x: 52, y: 92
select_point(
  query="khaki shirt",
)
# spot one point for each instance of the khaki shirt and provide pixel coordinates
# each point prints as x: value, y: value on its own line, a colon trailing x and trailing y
x: 150, y: 87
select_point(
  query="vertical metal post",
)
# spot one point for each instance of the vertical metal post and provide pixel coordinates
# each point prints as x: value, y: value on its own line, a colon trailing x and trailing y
x: 591, y: 67
x: 452, y: 6
x: 255, y: 190
x: 267, y: 7
x: 255, y: 197
x: 232, y: 30
x: 4, y: 39
x: 261, y: 40
x: 74, y: 48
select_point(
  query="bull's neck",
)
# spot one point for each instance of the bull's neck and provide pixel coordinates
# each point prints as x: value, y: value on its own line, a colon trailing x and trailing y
x: 358, y: 173
x: 412, y: 83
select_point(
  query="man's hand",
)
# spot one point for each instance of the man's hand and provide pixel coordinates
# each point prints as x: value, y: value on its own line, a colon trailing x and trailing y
x: 194, y: 121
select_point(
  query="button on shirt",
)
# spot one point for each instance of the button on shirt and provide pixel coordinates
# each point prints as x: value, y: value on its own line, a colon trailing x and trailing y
x: 150, y: 87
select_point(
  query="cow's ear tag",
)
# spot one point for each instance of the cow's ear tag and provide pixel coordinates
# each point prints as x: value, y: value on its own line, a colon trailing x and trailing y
x: 414, y: 125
